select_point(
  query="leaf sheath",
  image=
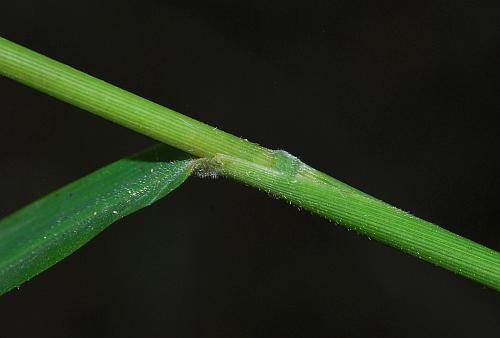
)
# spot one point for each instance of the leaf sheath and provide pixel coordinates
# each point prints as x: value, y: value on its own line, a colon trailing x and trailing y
x: 373, y: 218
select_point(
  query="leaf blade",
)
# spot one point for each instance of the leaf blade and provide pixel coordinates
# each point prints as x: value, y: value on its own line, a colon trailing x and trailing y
x: 44, y: 232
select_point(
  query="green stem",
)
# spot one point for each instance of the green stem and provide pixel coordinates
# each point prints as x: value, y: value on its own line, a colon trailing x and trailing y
x: 274, y: 171
x: 372, y: 218
x: 129, y: 110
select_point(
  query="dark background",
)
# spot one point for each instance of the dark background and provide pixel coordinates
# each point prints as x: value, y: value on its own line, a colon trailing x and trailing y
x: 396, y: 98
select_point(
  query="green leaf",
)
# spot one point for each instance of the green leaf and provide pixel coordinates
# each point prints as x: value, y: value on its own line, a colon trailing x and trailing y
x: 46, y: 231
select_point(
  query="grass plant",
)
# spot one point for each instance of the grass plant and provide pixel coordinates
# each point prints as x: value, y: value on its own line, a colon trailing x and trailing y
x: 216, y: 152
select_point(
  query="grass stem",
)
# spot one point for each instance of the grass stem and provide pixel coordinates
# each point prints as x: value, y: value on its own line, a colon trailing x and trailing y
x: 276, y: 172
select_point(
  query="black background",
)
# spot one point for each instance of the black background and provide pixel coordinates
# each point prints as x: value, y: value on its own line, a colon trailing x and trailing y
x: 396, y: 98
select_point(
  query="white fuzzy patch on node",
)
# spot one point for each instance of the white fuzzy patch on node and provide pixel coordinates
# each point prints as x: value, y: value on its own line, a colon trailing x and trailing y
x: 204, y: 168
x: 206, y: 173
